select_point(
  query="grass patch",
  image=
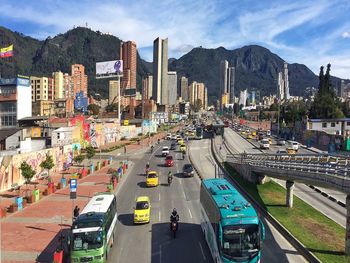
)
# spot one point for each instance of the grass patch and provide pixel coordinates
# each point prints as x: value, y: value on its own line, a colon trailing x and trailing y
x: 318, y: 233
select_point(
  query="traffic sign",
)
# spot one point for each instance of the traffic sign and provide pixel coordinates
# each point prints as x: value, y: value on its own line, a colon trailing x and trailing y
x: 73, y: 185
x: 126, y: 122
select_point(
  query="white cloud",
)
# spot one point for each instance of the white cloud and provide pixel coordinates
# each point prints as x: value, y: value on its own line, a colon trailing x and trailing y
x: 346, y: 35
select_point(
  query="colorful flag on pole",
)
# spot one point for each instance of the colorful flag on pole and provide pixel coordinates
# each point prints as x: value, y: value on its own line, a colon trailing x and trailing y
x: 6, y: 52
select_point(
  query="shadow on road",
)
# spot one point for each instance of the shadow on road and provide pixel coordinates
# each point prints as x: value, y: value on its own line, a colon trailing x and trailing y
x: 126, y: 219
x: 166, y: 248
x: 142, y: 184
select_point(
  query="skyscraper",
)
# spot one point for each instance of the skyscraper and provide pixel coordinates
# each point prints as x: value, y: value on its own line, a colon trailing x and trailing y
x: 184, y: 88
x: 286, y: 81
x: 172, y: 87
x: 223, y: 77
x: 147, y: 85
x: 58, y: 85
x: 160, y: 71
x: 280, y: 86
x: 114, y: 88
x: 231, y: 83
x: 79, y: 79
x: 128, y: 53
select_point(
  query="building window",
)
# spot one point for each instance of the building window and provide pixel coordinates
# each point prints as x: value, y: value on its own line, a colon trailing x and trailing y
x: 348, y: 123
x: 332, y: 124
x: 324, y: 125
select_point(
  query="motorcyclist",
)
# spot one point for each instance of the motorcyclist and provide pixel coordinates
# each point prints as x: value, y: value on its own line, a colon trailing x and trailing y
x: 170, y: 177
x: 152, y: 148
x: 174, y: 217
x: 183, y: 155
x: 147, y: 167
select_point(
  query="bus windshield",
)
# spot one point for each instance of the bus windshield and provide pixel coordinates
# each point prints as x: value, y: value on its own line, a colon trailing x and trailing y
x: 240, y: 241
x: 87, y: 240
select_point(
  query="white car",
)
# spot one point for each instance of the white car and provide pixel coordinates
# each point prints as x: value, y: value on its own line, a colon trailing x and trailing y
x: 268, y: 133
x: 168, y: 136
x: 165, y: 151
x: 293, y: 145
x: 173, y: 137
x: 264, y: 144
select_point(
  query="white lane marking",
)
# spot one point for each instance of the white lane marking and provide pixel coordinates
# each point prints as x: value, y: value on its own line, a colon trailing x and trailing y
x: 159, y: 196
x: 184, y: 194
x: 189, y: 210
x: 202, y: 251
x: 180, y: 182
x: 159, y: 216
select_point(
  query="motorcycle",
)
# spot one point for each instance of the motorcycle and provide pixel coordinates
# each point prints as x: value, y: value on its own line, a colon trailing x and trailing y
x: 174, y: 228
x: 170, y: 179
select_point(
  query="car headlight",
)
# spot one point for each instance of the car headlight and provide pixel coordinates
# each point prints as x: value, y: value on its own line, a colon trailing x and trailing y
x: 75, y: 259
x: 99, y: 257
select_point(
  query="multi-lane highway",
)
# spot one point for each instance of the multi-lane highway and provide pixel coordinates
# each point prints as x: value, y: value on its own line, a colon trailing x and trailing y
x: 237, y: 144
x: 275, y: 248
x: 153, y: 242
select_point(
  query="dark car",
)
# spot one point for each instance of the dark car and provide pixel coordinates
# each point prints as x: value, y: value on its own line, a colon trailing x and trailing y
x: 173, y: 146
x: 188, y: 170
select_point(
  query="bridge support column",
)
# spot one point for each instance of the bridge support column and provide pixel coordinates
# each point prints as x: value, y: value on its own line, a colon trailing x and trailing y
x: 289, y: 196
x: 347, y: 233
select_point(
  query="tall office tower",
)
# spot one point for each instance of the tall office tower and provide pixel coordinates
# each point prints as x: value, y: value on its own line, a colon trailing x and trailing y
x: 206, y: 98
x: 172, y: 87
x: 280, y: 87
x: 223, y: 77
x: 200, y: 94
x: 184, y: 88
x: 243, y: 97
x: 128, y: 53
x: 286, y: 81
x: 192, y: 92
x: 231, y: 83
x: 58, y: 85
x: 160, y: 71
x: 79, y: 79
x: 114, y: 88
x: 147, y: 86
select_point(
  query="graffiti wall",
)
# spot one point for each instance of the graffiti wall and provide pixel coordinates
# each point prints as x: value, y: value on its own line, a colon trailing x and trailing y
x: 9, y: 165
x: 111, y: 132
x: 128, y: 131
x: 323, y: 141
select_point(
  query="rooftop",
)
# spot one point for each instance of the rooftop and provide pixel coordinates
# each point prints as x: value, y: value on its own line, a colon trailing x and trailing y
x: 7, y: 133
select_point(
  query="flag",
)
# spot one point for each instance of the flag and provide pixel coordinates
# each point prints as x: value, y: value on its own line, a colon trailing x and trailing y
x: 6, y: 52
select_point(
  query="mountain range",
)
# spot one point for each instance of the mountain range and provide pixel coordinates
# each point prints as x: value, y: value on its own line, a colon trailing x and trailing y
x: 256, y: 67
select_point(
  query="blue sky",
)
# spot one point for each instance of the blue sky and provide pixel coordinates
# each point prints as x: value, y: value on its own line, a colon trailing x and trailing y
x: 311, y: 32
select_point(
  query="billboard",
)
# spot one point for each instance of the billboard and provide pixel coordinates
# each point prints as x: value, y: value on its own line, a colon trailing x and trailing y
x: 107, y: 69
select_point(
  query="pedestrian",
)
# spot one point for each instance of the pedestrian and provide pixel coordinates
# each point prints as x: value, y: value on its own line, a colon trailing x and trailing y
x: 124, y: 149
x: 76, y: 212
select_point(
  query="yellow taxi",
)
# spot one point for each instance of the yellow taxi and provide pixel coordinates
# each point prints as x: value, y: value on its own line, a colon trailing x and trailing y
x: 249, y: 136
x: 291, y: 151
x: 182, y: 148
x: 142, y: 210
x: 152, y: 179
x: 180, y: 142
x: 253, y: 133
x: 243, y: 132
x: 270, y: 141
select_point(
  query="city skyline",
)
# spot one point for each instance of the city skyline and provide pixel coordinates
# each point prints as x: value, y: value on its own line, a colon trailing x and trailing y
x: 290, y: 29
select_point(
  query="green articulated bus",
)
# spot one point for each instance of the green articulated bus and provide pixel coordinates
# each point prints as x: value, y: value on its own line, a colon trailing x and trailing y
x: 92, y: 233
x: 231, y: 226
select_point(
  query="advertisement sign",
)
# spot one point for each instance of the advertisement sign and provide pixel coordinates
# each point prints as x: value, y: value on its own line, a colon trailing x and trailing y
x: 73, y: 185
x: 109, y: 68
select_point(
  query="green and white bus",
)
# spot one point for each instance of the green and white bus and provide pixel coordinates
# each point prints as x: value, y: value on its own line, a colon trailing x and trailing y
x: 92, y: 233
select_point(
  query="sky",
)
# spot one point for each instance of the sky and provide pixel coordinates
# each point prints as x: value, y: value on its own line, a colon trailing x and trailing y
x: 310, y: 32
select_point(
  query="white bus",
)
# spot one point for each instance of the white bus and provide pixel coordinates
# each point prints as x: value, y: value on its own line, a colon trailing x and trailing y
x: 92, y: 233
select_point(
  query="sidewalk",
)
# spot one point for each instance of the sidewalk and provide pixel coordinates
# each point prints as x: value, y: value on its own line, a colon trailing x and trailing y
x: 32, y: 233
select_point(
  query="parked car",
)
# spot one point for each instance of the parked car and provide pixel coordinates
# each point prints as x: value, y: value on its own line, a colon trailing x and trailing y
x: 281, y: 142
x: 165, y: 151
x: 188, y: 170
x: 169, y: 161
x: 264, y: 144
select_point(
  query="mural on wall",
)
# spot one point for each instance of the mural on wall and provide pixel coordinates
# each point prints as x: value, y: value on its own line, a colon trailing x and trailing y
x: 111, y: 133
x: 92, y: 135
x: 128, y: 131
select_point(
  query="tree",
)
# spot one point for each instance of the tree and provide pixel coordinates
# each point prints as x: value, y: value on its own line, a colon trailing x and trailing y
x: 95, y: 109
x: 48, y: 164
x: 27, y: 173
x: 90, y: 152
x: 79, y: 158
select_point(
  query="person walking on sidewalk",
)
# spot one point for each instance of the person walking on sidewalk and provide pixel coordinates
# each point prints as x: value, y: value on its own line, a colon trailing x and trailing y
x: 76, y: 212
x: 124, y: 149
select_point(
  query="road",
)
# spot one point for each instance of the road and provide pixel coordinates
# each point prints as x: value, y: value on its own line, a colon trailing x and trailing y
x: 153, y: 242
x: 329, y: 208
x: 275, y: 247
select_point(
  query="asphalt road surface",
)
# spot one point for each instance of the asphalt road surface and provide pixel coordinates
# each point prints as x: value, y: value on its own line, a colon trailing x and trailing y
x: 154, y: 242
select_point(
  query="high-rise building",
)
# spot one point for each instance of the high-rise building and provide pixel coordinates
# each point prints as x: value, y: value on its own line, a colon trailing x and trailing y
x: 172, y: 87
x: 283, y: 83
x: 40, y: 88
x: 286, y: 81
x: 200, y: 95
x: 15, y: 101
x: 147, y: 86
x: 68, y: 87
x: 206, y: 98
x: 79, y: 79
x: 58, y: 87
x: 192, y: 92
x: 184, y: 88
x: 51, y: 89
x: 128, y: 53
x: 114, y: 89
x: 160, y: 71
x: 231, y: 83
x: 243, y: 96
x: 223, y: 76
